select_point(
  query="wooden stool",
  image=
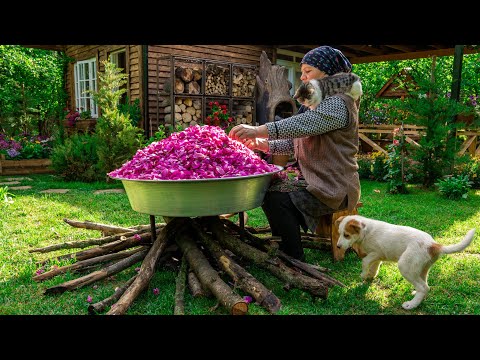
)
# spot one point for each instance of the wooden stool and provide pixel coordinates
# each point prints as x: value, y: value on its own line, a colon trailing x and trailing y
x: 326, y: 229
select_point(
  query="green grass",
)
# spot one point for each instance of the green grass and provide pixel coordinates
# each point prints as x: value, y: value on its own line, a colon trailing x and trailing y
x: 36, y: 220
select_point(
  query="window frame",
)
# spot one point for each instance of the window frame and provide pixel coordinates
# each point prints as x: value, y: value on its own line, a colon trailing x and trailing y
x: 84, y: 101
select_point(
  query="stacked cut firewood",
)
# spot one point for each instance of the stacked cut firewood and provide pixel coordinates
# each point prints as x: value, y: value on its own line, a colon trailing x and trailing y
x: 217, y: 78
x: 214, y: 252
x: 187, y: 112
x: 188, y: 80
x: 243, y: 82
x: 242, y: 112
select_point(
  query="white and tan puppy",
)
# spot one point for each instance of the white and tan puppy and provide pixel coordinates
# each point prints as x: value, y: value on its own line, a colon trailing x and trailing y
x: 414, y: 250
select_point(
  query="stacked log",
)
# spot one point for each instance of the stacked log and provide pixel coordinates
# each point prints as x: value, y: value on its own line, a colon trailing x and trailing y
x: 187, y: 112
x: 188, y: 80
x: 217, y: 78
x: 243, y: 82
x: 242, y: 112
x: 213, y: 253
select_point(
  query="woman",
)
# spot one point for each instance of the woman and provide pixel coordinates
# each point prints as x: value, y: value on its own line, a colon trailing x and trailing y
x: 324, y: 142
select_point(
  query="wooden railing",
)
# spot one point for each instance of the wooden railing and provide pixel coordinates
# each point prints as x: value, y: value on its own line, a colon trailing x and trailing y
x: 378, y: 137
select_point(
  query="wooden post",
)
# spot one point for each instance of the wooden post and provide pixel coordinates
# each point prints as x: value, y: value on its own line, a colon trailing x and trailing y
x: 457, y: 72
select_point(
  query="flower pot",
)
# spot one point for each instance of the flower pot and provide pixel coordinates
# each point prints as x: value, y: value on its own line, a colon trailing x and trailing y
x: 80, y: 126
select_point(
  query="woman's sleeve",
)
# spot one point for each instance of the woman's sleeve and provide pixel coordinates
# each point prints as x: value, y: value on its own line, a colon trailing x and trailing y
x: 330, y: 114
x: 280, y: 147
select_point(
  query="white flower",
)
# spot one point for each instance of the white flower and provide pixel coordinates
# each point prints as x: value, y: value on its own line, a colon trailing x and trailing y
x: 8, y: 199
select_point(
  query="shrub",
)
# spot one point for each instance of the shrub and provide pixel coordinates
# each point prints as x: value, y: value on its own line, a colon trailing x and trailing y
x: 379, y: 171
x: 163, y: 132
x: 117, y: 139
x: 364, y: 162
x: 133, y: 110
x: 76, y: 159
x: 470, y: 166
x: 454, y: 187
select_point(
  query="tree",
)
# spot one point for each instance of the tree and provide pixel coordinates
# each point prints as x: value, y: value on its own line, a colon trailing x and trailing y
x: 117, y: 139
x: 32, y: 93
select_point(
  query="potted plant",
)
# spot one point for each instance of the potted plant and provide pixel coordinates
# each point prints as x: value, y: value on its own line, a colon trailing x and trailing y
x: 76, y: 121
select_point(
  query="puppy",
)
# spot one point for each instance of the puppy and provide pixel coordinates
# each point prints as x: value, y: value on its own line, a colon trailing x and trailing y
x: 311, y: 93
x: 415, y: 251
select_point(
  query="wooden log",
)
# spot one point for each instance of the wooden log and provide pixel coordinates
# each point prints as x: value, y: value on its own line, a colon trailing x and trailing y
x: 315, y: 287
x: 196, y: 287
x: 180, y: 282
x: 318, y: 245
x: 193, y: 88
x: 96, y: 226
x: 115, y: 246
x: 179, y: 86
x: 97, y: 275
x: 209, y: 277
x: 147, y: 269
x: 259, y: 243
x: 309, y: 269
x: 84, y: 264
x: 242, y: 278
x: 86, y: 243
x: 100, y: 306
x: 184, y: 73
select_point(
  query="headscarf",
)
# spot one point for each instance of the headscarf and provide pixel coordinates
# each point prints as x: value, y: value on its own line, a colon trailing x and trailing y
x: 328, y: 60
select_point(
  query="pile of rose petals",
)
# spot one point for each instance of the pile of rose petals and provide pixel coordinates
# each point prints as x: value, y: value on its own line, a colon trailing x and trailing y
x: 198, y: 152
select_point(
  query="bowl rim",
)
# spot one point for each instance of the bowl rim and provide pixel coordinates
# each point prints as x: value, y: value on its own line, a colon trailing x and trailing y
x: 279, y: 168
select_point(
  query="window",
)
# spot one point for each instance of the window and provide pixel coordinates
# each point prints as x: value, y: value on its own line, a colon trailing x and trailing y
x: 85, y: 75
x: 291, y: 61
x: 119, y: 58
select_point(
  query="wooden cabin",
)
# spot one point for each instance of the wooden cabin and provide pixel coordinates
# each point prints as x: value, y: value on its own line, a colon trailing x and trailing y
x: 151, y: 76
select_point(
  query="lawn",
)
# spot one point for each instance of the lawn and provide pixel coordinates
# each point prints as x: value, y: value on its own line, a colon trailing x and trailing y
x: 35, y: 219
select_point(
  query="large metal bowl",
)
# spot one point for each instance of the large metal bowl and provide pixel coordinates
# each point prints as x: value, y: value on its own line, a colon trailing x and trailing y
x: 204, y: 197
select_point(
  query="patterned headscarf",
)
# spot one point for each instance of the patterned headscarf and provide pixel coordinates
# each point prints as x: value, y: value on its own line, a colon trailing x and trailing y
x: 328, y: 60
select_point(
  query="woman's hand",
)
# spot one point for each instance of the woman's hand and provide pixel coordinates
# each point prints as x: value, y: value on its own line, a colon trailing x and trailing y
x: 243, y: 132
x: 257, y: 144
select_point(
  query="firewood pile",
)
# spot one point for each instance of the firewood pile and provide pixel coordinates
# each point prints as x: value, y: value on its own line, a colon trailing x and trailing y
x: 243, y: 82
x: 242, y: 111
x: 188, y: 80
x: 187, y: 112
x: 213, y: 251
x: 217, y: 79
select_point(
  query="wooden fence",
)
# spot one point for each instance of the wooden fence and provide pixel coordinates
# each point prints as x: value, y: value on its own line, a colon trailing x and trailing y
x: 378, y: 137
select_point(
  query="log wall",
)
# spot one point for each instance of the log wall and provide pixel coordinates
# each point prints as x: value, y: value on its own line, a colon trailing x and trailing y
x: 241, y: 54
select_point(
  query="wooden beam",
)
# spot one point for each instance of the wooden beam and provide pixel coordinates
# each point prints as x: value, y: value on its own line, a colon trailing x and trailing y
x: 466, y: 144
x: 411, y: 141
x: 371, y: 143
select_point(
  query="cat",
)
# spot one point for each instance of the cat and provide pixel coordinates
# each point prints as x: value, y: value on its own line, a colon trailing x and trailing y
x: 311, y: 93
